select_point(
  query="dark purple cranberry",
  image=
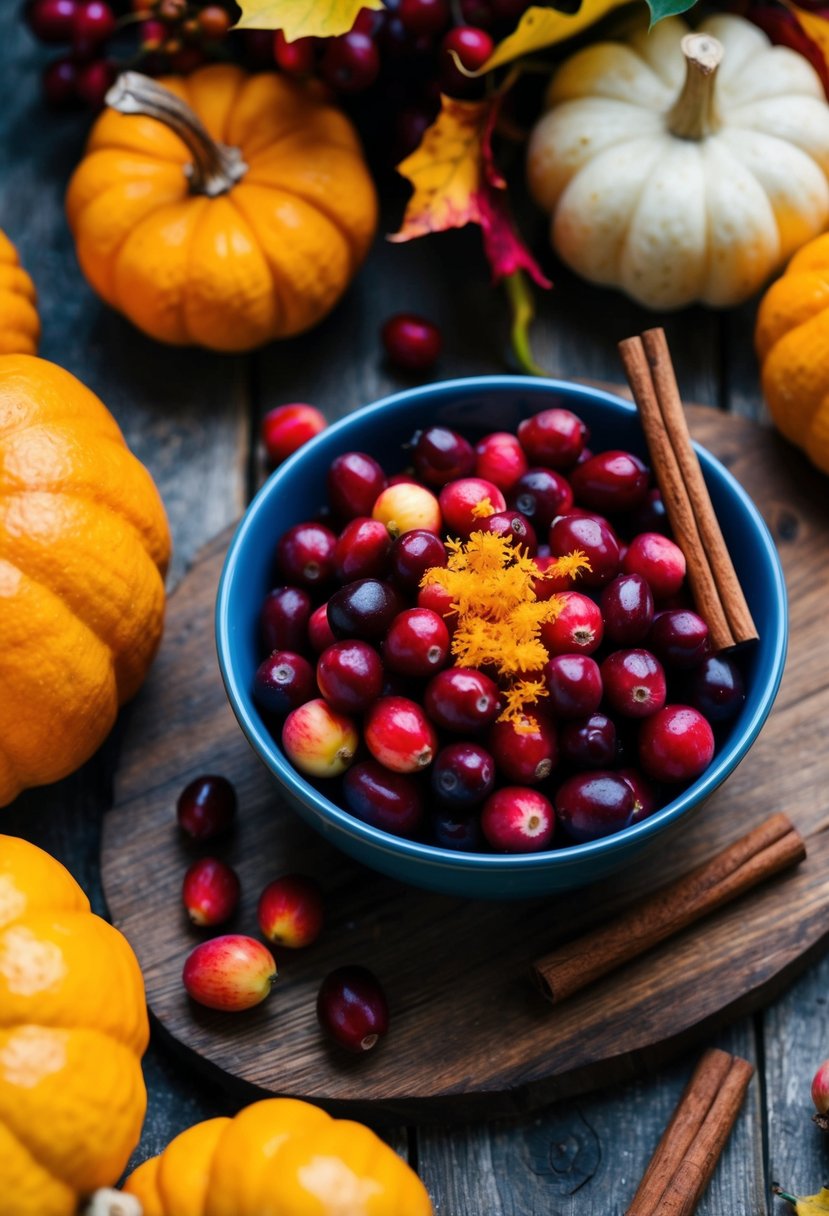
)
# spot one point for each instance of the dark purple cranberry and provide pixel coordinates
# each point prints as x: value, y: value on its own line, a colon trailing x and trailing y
x: 389, y: 801
x: 206, y: 807
x: 305, y: 554
x: 627, y: 609
x: 51, y: 20
x: 574, y: 684
x: 462, y: 699
x: 679, y: 637
x: 645, y: 801
x: 462, y: 775
x: 354, y: 482
x: 412, y: 554
x: 441, y: 455
x: 452, y: 830
x: 60, y: 83
x: 350, y: 63
x: 352, y: 1008
x: 589, y: 742
x: 650, y: 516
x: 611, y: 481
x: 511, y: 525
x: 717, y: 688
x: 424, y: 16
x: 411, y: 342
x: 362, y: 550
x: 595, y: 539
x: 350, y: 675
x: 363, y: 609
x: 284, y: 620
x: 283, y: 681
x: 541, y: 495
x: 596, y: 804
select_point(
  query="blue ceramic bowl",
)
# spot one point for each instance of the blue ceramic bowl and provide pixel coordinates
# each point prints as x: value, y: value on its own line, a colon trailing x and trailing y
x: 297, y: 490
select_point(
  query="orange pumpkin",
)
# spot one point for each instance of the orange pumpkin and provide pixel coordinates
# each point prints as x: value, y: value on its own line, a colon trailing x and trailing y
x: 19, y: 322
x: 280, y: 1157
x: 221, y: 209
x: 84, y: 545
x: 72, y: 1033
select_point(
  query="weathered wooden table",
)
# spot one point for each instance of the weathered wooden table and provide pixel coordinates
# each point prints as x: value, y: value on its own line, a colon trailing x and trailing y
x: 192, y: 418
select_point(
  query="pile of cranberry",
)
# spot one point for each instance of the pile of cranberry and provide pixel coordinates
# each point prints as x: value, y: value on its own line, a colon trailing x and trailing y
x: 361, y: 684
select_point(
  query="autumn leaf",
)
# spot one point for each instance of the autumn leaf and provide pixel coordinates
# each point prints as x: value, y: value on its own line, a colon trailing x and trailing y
x: 541, y: 27
x: 807, y: 1205
x: 303, y: 18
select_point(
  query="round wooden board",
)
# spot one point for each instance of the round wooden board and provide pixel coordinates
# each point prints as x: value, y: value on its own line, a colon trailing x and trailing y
x: 469, y: 1034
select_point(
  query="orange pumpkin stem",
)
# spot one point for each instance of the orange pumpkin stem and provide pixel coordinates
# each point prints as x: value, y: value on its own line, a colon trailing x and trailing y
x: 694, y: 114
x: 216, y: 168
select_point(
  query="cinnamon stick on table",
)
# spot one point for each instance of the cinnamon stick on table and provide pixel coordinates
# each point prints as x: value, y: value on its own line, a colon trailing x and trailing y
x: 764, y: 851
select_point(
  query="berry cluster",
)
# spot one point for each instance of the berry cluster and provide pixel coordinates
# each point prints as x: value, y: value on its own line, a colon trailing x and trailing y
x: 378, y: 673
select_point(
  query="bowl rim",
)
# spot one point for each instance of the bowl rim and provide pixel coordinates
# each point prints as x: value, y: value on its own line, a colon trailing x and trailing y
x: 269, y: 752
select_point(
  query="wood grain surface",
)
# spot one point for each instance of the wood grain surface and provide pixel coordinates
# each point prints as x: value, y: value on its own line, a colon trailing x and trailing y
x: 456, y: 971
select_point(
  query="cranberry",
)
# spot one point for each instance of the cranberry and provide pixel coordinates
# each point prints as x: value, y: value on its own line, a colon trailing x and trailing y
x: 424, y: 16
x: 512, y: 526
x: 453, y: 830
x: 524, y: 756
x: 675, y: 744
x: 541, y: 495
x: 627, y: 609
x: 152, y: 34
x: 499, y: 458
x: 354, y: 482
x: 658, y: 560
x: 350, y: 63
x: 305, y: 554
x: 634, y: 683
x: 417, y: 643
x: 411, y: 342
x: 518, y: 820
x: 439, y: 600
x: 319, y: 631
x: 386, y: 800
x: 297, y: 58
x: 51, y: 20
x: 461, y: 699
x: 473, y: 47
x: 717, y: 688
x: 463, y: 774
x: 574, y: 684
x: 290, y: 911
x: 591, y: 805
x: 589, y: 742
x: 362, y: 550
x: 231, y: 973
x: 404, y: 506
x: 554, y: 438
x: 363, y: 609
x: 60, y: 81
x: 578, y: 628
x: 318, y: 740
x: 595, y: 539
x: 92, y: 23
x: 283, y: 681
x: 650, y: 516
x: 206, y: 807
x: 367, y: 22
x: 210, y: 892
x: 412, y: 554
x: 611, y: 481
x: 350, y: 676
x: 287, y: 427
x: 284, y: 619
x: 399, y: 735
x: 459, y: 499
x: 94, y: 81
x: 679, y: 637
x: 440, y: 455
x: 352, y: 1008
x: 644, y: 796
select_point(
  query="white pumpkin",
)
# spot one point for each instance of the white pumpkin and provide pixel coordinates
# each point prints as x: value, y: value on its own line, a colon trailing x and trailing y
x: 676, y: 177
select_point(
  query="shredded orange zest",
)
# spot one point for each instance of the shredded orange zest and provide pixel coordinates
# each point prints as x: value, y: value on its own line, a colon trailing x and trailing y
x: 483, y: 509
x: 492, y: 584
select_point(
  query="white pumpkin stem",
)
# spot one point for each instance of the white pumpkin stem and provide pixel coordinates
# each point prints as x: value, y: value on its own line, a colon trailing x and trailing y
x: 216, y: 168
x: 694, y: 113
x: 109, y: 1202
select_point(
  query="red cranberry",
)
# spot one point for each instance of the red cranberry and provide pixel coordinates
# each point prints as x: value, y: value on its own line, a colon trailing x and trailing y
x: 297, y: 58
x: 424, y: 16
x: 473, y: 47
x: 291, y: 911
x: 411, y: 342
x: 417, y: 643
x: 284, y: 619
x: 389, y: 801
x: 658, y: 560
x: 287, y: 427
x: 283, y: 681
x: 578, y: 628
x: 319, y: 631
x: 94, y: 81
x: 440, y: 456
x: 399, y: 735
x: 574, y: 684
x: 595, y: 539
x: 458, y: 500
x: 92, y: 23
x: 524, y: 756
x: 717, y: 688
x: 51, y: 20
x: 518, y: 820
x: 611, y: 481
x: 367, y: 21
x: 461, y: 699
x: 499, y: 458
x: 512, y: 526
x: 589, y: 742
x: 679, y: 637
x: 591, y: 805
x: 206, y: 807
x: 60, y: 83
x: 363, y: 609
x: 463, y: 774
x: 362, y: 550
x: 354, y: 482
x: 412, y: 554
x: 210, y: 892
x: 305, y: 554
x: 627, y: 609
x: 650, y: 516
x: 634, y: 683
x: 352, y: 1008
x: 350, y: 63
x: 675, y: 744
x: 541, y: 495
x: 644, y: 796
x: 454, y: 830
x: 554, y: 438
x: 350, y: 676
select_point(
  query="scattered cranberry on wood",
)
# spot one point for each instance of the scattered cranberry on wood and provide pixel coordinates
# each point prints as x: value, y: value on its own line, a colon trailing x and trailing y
x: 210, y: 892
x: 411, y: 342
x: 290, y: 911
x: 352, y: 1008
x: 206, y: 807
x: 286, y: 428
x: 230, y: 973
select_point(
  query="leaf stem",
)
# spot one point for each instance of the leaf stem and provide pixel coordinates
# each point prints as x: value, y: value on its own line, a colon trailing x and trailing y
x: 522, y: 311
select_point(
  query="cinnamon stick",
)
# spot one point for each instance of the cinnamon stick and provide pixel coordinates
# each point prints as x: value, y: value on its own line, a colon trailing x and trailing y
x: 734, y: 602
x: 687, y: 1154
x: 764, y: 851
x: 675, y: 495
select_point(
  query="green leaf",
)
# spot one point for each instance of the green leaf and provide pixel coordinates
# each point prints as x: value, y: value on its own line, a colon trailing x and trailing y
x: 668, y: 8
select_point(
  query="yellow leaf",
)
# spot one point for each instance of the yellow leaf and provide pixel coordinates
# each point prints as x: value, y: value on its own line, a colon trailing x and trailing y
x: 540, y: 27
x: 814, y: 27
x: 807, y: 1205
x: 302, y: 18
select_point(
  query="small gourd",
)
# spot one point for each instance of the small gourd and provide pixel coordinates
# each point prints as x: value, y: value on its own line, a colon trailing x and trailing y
x: 682, y: 167
x: 19, y: 322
